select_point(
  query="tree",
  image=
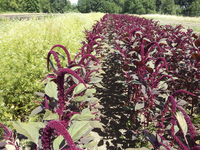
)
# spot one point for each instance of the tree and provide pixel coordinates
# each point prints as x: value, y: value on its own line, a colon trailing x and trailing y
x: 149, y: 6
x: 168, y: 7
x: 31, y: 5
x: 139, y: 8
x: 195, y: 8
x: 82, y: 6
x: 134, y: 7
x: 158, y: 5
x: 45, y: 6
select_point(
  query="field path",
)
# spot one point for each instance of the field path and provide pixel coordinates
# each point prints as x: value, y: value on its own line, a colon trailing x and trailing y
x: 21, y: 16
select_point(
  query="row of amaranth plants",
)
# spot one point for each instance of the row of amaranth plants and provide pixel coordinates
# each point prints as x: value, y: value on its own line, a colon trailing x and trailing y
x: 160, y: 67
x: 69, y: 109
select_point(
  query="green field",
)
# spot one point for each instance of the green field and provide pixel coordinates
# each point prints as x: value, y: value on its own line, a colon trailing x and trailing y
x: 24, y: 46
x: 186, y: 22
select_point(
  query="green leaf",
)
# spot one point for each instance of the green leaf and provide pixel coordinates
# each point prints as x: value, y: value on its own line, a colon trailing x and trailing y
x: 181, y: 120
x: 95, y: 80
x: 139, y: 106
x: 91, y: 144
x: 86, y: 139
x: 38, y: 125
x: 84, y: 116
x: 51, y: 90
x: 96, y: 124
x: 30, y: 130
x: 36, y: 110
x: 99, y: 85
x: 79, y: 88
x: 176, y: 129
x: 135, y: 82
x: 50, y: 116
x: 79, y: 98
x: 74, y: 79
x: 85, y: 111
x: 90, y: 91
x: 57, y: 142
x: 92, y: 100
x: 78, y: 129
x: 75, y: 67
x: 101, y: 71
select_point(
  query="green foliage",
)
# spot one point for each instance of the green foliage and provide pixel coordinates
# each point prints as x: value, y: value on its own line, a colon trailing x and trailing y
x: 24, y: 45
x: 86, y: 6
x: 44, y: 6
x: 168, y: 7
x: 31, y: 5
x: 139, y: 7
x: 194, y: 9
x: 11, y: 5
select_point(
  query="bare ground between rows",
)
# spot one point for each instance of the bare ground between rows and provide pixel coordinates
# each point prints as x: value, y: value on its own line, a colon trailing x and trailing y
x: 113, y: 115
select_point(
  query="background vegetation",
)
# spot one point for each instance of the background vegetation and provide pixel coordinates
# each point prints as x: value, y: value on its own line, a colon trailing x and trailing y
x: 172, y: 7
x: 24, y: 46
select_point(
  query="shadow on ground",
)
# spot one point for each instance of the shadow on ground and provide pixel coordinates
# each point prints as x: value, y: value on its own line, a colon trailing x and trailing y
x: 113, y: 116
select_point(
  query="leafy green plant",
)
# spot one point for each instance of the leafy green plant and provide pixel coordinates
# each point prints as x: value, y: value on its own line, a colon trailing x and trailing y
x: 24, y: 45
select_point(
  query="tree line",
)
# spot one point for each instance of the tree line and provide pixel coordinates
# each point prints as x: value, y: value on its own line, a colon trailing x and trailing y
x: 39, y: 6
x: 171, y: 7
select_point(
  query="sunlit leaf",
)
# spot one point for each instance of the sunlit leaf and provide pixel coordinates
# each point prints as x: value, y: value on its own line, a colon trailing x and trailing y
x: 57, y: 142
x: 30, y: 130
x: 78, y: 129
x: 181, y: 103
x: 95, y: 80
x: 79, y: 98
x: 91, y: 144
x: 90, y: 91
x: 182, y: 122
x: 51, y: 90
x: 139, y: 106
x: 79, y: 88
x: 50, y: 116
x: 36, y: 110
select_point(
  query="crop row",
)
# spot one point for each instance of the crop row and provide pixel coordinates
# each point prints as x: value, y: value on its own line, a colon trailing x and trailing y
x: 160, y: 69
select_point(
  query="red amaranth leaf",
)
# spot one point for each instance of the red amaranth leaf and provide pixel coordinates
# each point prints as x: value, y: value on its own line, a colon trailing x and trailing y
x: 150, y: 70
x: 196, y: 56
x: 195, y: 36
x: 197, y: 43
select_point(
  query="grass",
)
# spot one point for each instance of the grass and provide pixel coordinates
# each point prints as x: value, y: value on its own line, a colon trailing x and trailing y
x: 186, y: 22
x: 172, y: 17
x: 24, y: 45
